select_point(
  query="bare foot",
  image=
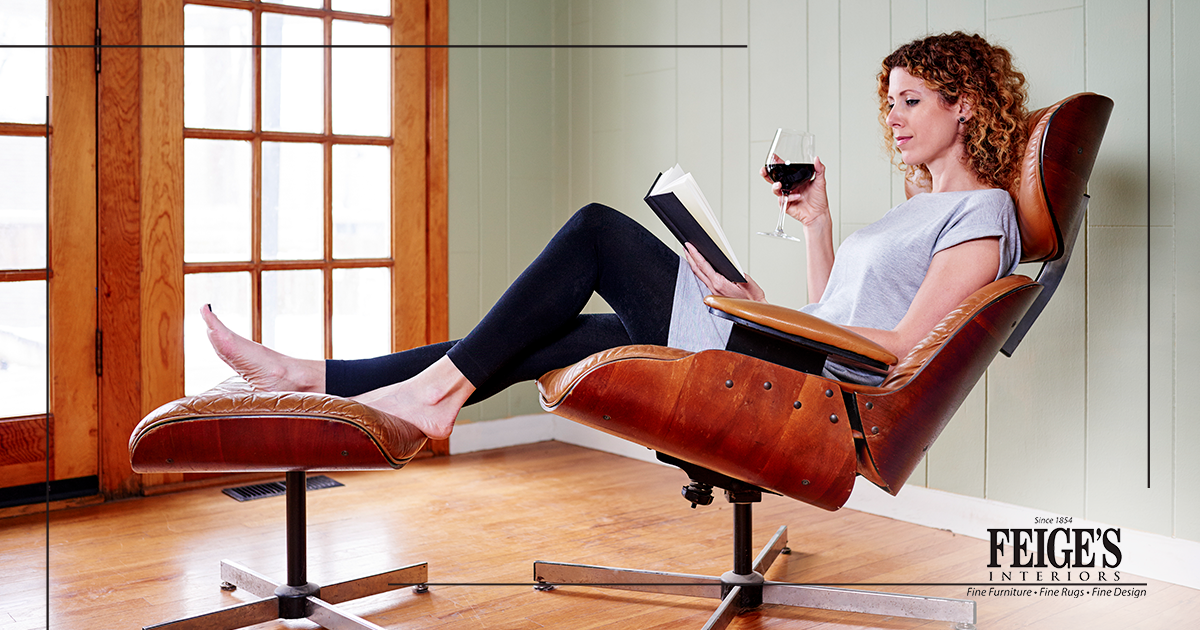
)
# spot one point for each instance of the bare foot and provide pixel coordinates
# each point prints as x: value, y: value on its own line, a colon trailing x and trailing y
x: 429, y: 401
x: 261, y: 367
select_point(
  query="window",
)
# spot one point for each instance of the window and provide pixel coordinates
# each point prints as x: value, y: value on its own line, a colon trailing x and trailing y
x: 287, y: 178
x: 48, y: 382
x: 292, y: 186
x: 23, y: 210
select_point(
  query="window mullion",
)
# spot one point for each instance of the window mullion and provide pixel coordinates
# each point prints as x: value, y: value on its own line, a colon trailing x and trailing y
x: 328, y: 188
x: 256, y: 308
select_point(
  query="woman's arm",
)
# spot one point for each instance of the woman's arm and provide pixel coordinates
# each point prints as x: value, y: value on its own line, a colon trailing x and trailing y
x: 954, y: 274
x: 810, y: 206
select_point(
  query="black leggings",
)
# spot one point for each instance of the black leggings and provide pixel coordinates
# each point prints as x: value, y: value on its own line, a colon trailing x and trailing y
x: 536, y: 326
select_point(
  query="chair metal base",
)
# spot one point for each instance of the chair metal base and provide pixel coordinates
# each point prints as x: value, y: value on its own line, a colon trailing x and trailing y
x: 319, y: 607
x: 297, y: 598
x: 743, y: 592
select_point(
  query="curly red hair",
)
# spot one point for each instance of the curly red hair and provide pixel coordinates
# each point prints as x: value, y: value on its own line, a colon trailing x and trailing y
x: 958, y: 65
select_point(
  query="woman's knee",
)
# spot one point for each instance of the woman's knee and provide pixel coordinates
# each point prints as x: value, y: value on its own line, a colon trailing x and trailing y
x: 596, y: 215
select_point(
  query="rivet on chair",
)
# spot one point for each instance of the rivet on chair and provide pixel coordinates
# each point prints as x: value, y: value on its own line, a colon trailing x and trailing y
x: 797, y: 404
x: 804, y: 482
x: 767, y: 385
x: 875, y: 430
x: 870, y: 406
x: 170, y: 461
x: 729, y: 384
x: 829, y: 393
x: 606, y: 418
x: 833, y: 418
x: 345, y: 453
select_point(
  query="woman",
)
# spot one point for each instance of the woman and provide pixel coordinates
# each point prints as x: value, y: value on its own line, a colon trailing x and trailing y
x: 952, y: 107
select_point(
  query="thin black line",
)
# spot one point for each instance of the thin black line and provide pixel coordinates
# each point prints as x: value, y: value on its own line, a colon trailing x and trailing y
x: 387, y: 46
x: 49, y: 363
x: 1149, y: 228
x: 716, y: 582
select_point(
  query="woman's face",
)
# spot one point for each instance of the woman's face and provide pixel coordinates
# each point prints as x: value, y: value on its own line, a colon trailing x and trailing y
x: 924, y: 129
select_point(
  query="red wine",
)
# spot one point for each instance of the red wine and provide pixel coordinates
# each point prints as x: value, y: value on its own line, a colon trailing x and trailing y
x: 792, y: 176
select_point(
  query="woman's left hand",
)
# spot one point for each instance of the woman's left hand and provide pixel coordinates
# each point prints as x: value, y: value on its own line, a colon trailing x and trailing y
x: 718, y: 284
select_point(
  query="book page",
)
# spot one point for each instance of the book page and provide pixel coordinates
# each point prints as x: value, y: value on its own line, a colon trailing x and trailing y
x: 688, y: 191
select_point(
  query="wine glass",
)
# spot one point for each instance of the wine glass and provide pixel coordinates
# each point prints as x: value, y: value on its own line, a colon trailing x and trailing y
x: 789, y: 162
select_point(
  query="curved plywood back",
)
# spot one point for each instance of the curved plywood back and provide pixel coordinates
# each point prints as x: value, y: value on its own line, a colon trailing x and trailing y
x: 1064, y: 140
x: 902, y: 418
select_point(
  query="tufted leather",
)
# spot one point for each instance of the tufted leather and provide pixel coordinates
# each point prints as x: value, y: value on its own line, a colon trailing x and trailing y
x: 233, y: 428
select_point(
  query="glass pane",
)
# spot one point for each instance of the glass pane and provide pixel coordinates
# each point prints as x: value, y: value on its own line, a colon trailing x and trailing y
x: 22, y: 348
x: 22, y: 202
x: 294, y: 312
x: 23, y: 70
x: 216, y: 200
x: 362, y: 322
x: 293, y: 78
x: 229, y: 294
x: 216, y: 81
x: 361, y: 201
x: 361, y: 79
x: 293, y: 197
x: 369, y: 7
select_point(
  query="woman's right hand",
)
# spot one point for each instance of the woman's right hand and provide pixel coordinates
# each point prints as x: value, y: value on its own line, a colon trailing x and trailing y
x: 810, y: 204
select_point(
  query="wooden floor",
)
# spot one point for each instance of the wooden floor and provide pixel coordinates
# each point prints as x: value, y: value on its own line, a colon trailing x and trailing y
x: 484, y: 518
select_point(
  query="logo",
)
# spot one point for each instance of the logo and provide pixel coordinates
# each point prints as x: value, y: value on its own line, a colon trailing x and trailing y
x: 1060, y: 554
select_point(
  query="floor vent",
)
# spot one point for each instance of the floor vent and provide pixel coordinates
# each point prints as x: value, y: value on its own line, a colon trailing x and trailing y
x: 277, y: 488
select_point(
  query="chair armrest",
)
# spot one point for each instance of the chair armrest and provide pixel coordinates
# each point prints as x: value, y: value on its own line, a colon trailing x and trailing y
x: 837, y: 343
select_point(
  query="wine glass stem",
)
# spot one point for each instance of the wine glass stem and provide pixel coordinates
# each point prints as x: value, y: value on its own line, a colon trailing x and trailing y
x: 782, y: 213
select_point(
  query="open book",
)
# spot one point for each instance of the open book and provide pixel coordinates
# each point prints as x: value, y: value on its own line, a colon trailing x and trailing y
x: 677, y: 200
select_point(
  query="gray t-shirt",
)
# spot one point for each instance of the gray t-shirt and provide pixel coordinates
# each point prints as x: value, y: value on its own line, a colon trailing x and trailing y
x: 879, y: 268
x: 877, y: 271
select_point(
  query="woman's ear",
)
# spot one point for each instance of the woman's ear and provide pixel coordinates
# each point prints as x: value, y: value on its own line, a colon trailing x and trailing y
x: 964, y: 110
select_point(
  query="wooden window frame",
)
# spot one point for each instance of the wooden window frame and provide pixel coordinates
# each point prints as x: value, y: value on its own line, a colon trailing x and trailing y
x: 141, y: 222
x: 256, y: 266
x: 67, y: 447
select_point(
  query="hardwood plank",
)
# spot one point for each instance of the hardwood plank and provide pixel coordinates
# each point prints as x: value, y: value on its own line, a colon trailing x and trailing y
x: 24, y: 441
x: 161, y: 180
x: 484, y: 518
x: 437, y: 171
x: 74, y: 385
x: 119, y: 129
x: 409, y: 206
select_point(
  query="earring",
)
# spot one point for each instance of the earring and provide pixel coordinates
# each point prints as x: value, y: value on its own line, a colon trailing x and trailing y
x: 962, y: 119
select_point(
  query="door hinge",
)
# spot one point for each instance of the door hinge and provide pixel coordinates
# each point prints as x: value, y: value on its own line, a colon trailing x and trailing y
x: 96, y: 50
x: 99, y: 352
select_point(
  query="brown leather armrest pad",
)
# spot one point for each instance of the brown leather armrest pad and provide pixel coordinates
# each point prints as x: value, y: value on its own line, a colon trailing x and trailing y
x: 803, y: 325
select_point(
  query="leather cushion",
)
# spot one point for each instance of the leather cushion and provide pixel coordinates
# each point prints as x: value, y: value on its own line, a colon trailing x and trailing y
x: 233, y: 428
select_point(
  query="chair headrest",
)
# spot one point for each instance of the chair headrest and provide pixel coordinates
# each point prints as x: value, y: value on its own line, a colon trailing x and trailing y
x: 1064, y: 139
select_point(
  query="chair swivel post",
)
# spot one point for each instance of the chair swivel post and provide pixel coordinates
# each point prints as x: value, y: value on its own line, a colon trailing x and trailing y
x: 293, y: 596
x: 743, y: 574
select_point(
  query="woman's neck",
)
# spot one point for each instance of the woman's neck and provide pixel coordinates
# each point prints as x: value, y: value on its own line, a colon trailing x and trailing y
x: 951, y: 173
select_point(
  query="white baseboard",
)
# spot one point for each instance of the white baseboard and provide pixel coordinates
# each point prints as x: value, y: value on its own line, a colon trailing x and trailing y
x: 1144, y: 554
